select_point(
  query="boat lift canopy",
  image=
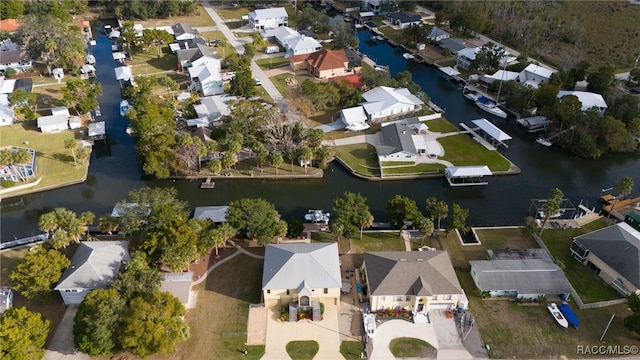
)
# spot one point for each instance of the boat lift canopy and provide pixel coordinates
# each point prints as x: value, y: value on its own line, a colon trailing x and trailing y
x: 449, y: 71
x: 467, y: 175
x: 497, y: 136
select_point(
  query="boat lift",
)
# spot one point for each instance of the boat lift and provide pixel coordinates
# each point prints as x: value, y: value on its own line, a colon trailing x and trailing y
x: 566, y: 211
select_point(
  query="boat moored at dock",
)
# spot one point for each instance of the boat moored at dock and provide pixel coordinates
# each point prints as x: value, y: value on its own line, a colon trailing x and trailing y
x: 490, y: 106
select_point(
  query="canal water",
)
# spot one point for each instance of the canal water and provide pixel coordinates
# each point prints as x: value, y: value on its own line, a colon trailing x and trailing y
x: 505, y: 201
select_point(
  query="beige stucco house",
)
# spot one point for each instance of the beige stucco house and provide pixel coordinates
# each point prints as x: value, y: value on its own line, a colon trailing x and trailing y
x: 417, y: 281
x: 304, y: 274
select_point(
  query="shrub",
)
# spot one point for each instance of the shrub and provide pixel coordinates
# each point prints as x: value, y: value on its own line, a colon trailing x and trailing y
x: 7, y: 183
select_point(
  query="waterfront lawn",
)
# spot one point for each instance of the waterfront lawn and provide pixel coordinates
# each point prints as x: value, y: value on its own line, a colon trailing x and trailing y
x: 303, y: 350
x: 527, y: 332
x: 272, y: 62
x: 589, y: 286
x: 54, y: 163
x: 461, y: 150
x: 199, y: 19
x: 392, y: 34
x: 418, y: 169
x: 362, y: 158
x: 148, y: 63
x: 218, y: 324
x: 371, y: 241
x: 234, y: 13
x: 440, y: 125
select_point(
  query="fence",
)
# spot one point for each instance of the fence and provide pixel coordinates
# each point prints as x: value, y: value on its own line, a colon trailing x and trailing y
x: 24, y: 241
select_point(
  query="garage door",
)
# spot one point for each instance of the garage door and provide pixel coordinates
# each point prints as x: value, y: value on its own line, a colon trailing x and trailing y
x: 440, y: 306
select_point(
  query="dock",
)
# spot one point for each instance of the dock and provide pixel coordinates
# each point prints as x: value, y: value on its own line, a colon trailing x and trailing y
x: 477, y: 137
x: 207, y: 184
x: 612, y: 204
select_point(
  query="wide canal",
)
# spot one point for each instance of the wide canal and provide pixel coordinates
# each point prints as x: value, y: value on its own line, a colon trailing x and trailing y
x: 114, y: 171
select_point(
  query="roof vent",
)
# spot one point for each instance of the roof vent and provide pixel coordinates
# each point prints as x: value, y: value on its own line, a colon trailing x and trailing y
x: 419, y: 259
x: 403, y: 260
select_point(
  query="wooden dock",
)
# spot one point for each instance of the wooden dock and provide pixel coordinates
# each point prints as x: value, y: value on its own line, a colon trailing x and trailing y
x: 207, y: 184
x: 612, y: 204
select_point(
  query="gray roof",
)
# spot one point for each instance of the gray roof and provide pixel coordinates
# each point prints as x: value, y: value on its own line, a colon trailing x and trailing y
x: 618, y: 246
x: 52, y: 120
x: 191, y: 43
x: 404, y: 17
x: 217, y: 214
x: 421, y: 273
x: 178, y: 284
x: 301, y: 266
x: 529, y: 276
x: 453, y: 44
x: 97, y: 128
x: 396, y: 138
x: 193, y: 54
x: 180, y: 28
x: 94, y: 265
x: 14, y: 56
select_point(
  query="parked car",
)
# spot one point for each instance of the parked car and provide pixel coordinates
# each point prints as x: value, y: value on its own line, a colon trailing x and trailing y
x: 258, y: 82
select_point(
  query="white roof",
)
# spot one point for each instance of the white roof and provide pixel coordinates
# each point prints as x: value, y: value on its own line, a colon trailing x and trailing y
x: 367, y: 14
x: 86, y: 68
x: 491, y: 130
x: 469, y: 53
x: 118, y: 55
x: 6, y: 85
x: 123, y: 73
x: 75, y: 120
x: 52, y: 120
x: 419, y: 142
x: 588, y: 99
x: 282, y: 33
x: 353, y: 115
x: 213, y: 107
x: 467, y: 171
x: 97, y: 128
x: 183, y: 96
x: 448, y: 70
x: 60, y: 110
x: 383, y: 97
x: 205, y: 72
x: 260, y: 14
x: 139, y: 29
x: 199, y: 122
x: 5, y: 109
x: 504, y: 75
x: 114, y: 34
x: 174, y: 47
x: 539, y: 70
x: 217, y: 214
x: 94, y: 265
x: 293, y: 266
x: 303, y: 42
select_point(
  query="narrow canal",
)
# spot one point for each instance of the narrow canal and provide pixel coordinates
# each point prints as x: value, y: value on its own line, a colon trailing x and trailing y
x: 504, y: 201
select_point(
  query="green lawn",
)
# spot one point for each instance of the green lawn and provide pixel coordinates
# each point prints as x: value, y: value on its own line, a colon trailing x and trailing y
x: 273, y: 63
x: 223, y: 51
x: 303, y: 350
x: 49, y: 96
x: 54, y: 163
x: 590, y: 287
x: 236, y: 24
x: 371, y: 241
x: 411, y: 347
x: 199, y: 19
x: 461, y: 150
x: 419, y: 169
x: 146, y: 63
x: 233, y: 14
x: 440, y: 125
x: 360, y: 157
x: 394, y: 35
x: 279, y: 81
x: 351, y: 350
x: 218, y: 324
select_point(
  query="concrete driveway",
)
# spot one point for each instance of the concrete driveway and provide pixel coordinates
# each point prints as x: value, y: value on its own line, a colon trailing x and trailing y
x: 393, y: 329
x: 325, y: 332
x: 61, y: 346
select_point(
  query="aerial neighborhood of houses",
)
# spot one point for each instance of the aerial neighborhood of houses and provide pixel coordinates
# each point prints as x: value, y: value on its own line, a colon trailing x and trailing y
x: 241, y: 92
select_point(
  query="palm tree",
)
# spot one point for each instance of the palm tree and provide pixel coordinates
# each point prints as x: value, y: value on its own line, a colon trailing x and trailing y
x: 306, y: 156
x: 227, y: 232
x: 222, y: 43
x: 276, y: 160
x: 624, y: 188
x: 108, y: 224
x: 551, y: 207
x: 70, y: 144
x: 437, y: 210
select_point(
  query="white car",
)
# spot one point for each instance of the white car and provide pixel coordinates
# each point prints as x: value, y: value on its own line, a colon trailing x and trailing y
x: 258, y: 82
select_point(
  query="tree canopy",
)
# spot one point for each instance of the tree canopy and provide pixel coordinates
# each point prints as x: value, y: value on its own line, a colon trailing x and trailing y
x: 37, y: 273
x: 350, y: 214
x: 97, y: 321
x: 256, y: 218
x: 400, y: 209
x: 22, y: 334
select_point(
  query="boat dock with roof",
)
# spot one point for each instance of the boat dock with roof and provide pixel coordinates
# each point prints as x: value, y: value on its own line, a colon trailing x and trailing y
x: 467, y: 175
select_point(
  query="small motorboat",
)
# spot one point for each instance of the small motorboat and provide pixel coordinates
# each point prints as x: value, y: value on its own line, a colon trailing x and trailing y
x: 91, y: 60
x: 557, y: 315
x: 408, y: 56
x: 491, y: 107
x: 317, y: 216
x: 124, y: 107
x: 369, y: 321
x: 98, y: 112
x: 470, y: 93
x: 544, y: 142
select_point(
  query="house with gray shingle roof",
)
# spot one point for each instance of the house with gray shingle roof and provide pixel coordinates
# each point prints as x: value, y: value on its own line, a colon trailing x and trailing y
x: 521, y: 278
x: 199, y: 55
x: 613, y: 253
x: 93, y: 266
x: 301, y: 273
x: 417, y: 281
x: 403, y: 20
x: 184, y: 32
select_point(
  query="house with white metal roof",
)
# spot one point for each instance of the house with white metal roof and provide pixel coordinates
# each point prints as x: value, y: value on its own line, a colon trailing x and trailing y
x: 302, y: 45
x: 93, y: 266
x: 437, y: 34
x: 355, y: 119
x: 206, y: 79
x: 589, y: 100
x: 466, y: 56
x: 262, y: 19
x: 304, y: 274
x: 213, y: 108
x: 534, y: 75
x: 418, y: 281
x: 382, y: 102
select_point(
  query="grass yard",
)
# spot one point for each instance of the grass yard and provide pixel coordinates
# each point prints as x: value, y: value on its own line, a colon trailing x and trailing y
x: 303, y: 350
x: 411, y: 347
x: 218, y: 324
x: 54, y: 163
x: 234, y: 13
x: 525, y: 332
x: 199, y: 19
x: 351, y: 350
x: 223, y: 51
x: 590, y: 287
x: 440, y: 125
x: 272, y: 62
x: 279, y: 81
x: 419, y: 169
x: 52, y: 308
x: 371, y: 241
x: 147, y: 63
x: 461, y: 150
x: 394, y: 35
x: 360, y: 157
x: 49, y: 96
x: 233, y: 25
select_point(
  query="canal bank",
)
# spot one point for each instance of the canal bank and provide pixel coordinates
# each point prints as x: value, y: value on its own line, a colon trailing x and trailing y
x: 505, y: 201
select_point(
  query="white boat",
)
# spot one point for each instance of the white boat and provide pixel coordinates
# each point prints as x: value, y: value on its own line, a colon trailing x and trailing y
x: 129, y: 130
x: 379, y: 37
x: 98, y: 112
x: 544, y: 142
x: 382, y: 68
x: 557, y: 315
x: 408, y: 56
x: 317, y: 216
x: 369, y: 321
x: 358, y: 126
x: 470, y: 93
x: 124, y: 107
x: 91, y: 60
x: 490, y: 106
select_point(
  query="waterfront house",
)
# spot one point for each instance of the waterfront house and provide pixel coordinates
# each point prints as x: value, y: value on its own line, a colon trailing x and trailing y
x: 19, y: 172
x: 93, y: 266
x: 301, y: 275
x: 85, y: 29
x: 179, y: 285
x: 403, y: 20
x: 212, y: 108
x: 262, y: 19
x: 53, y: 123
x: 324, y: 64
x: 206, y: 79
x: 197, y: 56
x: 217, y: 214
x: 588, y: 100
x: 19, y: 60
x: 534, y: 75
x: 382, y: 102
x: 438, y: 34
x: 520, y: 278
x: 612, y: 253
x: 7, y: 115
x: 417, y: 281
x: 466, y: 56
x: 96, y: 130
x: 183, y: 32
x: 500, y: 75
x: 375, y: 6
x: 453, y: 44
x: 400, y: 143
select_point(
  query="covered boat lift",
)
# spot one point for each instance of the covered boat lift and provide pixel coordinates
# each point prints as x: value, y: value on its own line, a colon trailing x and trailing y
x: 97, y: 130
x: 492, y: 133
x: 467, y: 175
x: 449, y: 72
